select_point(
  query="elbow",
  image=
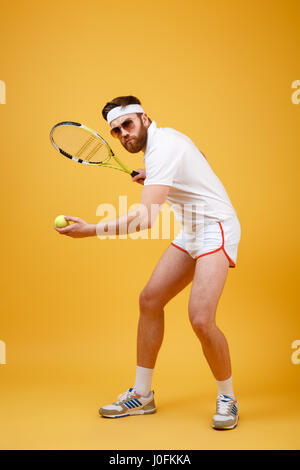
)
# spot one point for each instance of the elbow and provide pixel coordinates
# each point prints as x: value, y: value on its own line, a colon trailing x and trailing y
x: 146, y: 219
x: 146, y: 223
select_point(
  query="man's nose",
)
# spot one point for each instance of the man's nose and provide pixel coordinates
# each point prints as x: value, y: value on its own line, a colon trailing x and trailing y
x: 124, y: 132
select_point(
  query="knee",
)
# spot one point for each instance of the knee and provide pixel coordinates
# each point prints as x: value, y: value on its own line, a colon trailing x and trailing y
x: 202, y: 320
x: 149, y: 301
x: 202, y: 327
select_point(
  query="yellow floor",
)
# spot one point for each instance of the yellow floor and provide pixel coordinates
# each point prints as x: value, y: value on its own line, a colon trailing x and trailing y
x: 64, y: 416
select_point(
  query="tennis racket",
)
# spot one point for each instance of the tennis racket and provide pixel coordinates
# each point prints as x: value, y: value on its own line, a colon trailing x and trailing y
x: 83, y: 145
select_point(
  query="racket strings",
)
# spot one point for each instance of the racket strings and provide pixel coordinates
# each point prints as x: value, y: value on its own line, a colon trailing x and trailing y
x: 81, y: 144
x: 93, y: 151
x: 84, y: 146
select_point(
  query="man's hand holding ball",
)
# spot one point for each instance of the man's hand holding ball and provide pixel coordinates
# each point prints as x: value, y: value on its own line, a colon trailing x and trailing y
x: 78, y: 229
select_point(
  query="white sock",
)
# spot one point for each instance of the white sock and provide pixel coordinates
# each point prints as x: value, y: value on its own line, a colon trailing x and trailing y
x: 225, y: 387
x: 143, y: 380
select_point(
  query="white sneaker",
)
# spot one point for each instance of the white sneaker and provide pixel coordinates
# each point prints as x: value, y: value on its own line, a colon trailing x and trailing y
x: 226, y: 416
x: 129, y: 403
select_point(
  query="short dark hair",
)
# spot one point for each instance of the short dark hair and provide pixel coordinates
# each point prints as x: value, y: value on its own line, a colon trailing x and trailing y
x: 120, y: 101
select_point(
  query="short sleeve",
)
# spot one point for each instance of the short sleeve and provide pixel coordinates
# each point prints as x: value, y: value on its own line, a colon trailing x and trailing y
x: 162, y: 164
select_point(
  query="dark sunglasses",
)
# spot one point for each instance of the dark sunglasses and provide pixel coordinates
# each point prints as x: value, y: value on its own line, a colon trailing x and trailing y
x: 127, y: 125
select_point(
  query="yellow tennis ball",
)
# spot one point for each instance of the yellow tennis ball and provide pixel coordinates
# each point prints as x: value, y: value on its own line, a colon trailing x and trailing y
x: 60, y: 221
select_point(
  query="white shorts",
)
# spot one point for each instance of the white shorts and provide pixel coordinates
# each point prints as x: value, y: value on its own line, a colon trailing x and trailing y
x: 213, y: 237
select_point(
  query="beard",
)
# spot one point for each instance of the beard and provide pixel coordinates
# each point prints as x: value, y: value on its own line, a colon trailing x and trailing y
x: 137, y: 142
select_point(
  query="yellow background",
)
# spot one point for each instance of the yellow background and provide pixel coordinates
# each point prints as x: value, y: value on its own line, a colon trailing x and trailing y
x: 220, y: 72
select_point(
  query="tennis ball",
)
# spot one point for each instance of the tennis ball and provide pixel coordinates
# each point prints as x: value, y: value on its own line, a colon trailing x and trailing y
x: 60, y: 221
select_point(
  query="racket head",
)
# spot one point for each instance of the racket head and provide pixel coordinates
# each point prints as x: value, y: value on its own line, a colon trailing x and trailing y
x: 80, y: 143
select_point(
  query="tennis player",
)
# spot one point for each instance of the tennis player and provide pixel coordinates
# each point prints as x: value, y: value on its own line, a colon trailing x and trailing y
x: 177, y: 172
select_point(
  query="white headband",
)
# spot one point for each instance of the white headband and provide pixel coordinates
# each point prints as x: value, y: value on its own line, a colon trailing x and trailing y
x: 122, y: 110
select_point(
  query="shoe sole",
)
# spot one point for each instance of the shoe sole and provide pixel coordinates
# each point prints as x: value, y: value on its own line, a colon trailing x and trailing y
x: 135, y: 412
x: 227, y: 427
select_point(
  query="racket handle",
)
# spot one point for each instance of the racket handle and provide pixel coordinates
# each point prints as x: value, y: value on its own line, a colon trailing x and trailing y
x: 133, y: 173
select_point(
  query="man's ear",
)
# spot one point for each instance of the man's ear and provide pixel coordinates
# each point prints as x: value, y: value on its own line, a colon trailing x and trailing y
x: 145, y: 119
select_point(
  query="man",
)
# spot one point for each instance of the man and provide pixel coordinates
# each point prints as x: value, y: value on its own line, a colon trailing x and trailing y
x: 176, y: 171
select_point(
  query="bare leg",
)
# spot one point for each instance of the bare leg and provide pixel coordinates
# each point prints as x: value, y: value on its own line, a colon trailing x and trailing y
x: 210, y: 276
x: 174, y: 271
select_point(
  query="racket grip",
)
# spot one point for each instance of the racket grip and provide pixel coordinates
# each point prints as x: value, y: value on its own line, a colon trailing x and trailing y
x: 133, y: 173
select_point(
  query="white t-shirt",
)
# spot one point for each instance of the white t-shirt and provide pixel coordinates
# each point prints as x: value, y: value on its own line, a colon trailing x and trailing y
x: 196, y: 194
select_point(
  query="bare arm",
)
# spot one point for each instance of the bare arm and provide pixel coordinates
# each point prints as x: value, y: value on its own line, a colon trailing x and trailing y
x: 152, y: 198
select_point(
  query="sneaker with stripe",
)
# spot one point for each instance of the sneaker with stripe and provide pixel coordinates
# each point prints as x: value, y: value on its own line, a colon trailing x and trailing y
x: 129, y: 403
x: 226, y: 416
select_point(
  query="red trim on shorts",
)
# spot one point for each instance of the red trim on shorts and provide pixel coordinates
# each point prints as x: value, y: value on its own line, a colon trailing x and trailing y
x: 221, y: 248
x: 210, y: 252
x: 229, y: 259
x: 179, y: 248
